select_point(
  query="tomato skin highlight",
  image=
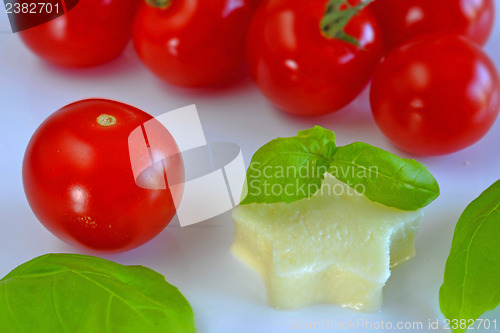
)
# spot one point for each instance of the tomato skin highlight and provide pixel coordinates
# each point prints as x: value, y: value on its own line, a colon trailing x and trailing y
x: 403, y: 20
x: 79, y: 182
x: 91, y: 34
x: 298, y: 69
x: 193, y: 43
x: 435, y: 95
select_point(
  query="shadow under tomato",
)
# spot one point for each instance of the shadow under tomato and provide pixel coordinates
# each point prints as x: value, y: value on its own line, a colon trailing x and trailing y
x: 358, y: 109
x: 126, y: 62
x: 355, y: 118
x: 163, y: 250
x: 238, y: 82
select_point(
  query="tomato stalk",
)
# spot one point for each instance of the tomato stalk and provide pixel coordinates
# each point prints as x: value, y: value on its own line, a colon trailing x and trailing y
x: 162, y: 4
x: 336, y: 18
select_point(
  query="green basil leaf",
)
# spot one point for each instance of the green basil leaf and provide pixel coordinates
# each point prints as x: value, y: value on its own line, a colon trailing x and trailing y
x: 289, y: 169
x: 384, y: 177
x: 471, y: 276
x: 76, y: 293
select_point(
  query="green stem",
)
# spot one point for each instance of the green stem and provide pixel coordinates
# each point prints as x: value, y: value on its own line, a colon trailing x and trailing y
x: 336, y: 18
x: 162, y: 4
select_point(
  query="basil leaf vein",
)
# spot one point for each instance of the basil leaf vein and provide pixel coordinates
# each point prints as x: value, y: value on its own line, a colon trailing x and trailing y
x: 470, y: 286
x: 384, y: 177
x: 272, y: 175
x: 77, y: 293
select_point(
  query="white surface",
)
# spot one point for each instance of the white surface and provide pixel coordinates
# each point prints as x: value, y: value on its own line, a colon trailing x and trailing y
x: 226, y: 296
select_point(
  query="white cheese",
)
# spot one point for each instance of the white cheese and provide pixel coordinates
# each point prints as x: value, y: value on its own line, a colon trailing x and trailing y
x: 336, y: 247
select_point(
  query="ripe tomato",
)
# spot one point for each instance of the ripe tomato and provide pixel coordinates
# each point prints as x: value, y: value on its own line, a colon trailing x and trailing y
x: 91, y: 183
x: 193, y: 43
x: 435, y: 95
x: 256, y: 3
x: 402, y: 20
x: 92, y: 33
x: 299, y: 69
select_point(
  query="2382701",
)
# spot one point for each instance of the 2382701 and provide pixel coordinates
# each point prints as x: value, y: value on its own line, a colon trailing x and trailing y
x: 470, y: 324
x: 31, y: 8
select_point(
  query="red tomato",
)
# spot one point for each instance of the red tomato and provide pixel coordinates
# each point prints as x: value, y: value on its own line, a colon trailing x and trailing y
x: 93, y: 33
x: 299, y: 69
x: 402, y: 20
x: 256, y: 3
x: 193, y: 43
x: 82, y: 170
x: 435, y: 95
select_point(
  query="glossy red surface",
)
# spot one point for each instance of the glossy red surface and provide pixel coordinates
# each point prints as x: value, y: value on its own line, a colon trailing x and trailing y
x: 93, y: 33
x: 300, y: 70
x: 256, y: 3
x: 193, y: 43
x: 435, y: 95
x: 402, y: 20
x: 80, y: 183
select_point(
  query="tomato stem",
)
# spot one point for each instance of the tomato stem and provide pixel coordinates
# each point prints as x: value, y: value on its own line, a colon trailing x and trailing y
x: 337, y: 17
x: 106, y: 120
x: 162, y: 4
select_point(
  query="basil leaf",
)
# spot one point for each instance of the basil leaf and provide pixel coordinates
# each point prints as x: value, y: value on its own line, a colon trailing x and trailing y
x: 289, y: 169
x: 384, y: 177
x: 471, y: 276
x: 76, y: 293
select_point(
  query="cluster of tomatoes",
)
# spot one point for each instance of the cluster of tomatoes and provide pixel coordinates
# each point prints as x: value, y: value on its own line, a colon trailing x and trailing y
x: 434, y: 92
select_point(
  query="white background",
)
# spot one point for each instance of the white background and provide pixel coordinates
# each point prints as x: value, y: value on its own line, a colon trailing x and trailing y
x: 226, y: 296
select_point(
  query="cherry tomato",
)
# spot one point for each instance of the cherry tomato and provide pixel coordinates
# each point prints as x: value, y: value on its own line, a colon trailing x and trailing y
x: 89, y: 178
x: 403, y: 20
x: 256, y: 3
x: 299, y: 69
x: 193, y: 43
x: 92, y: 33
x: 435, y: 95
